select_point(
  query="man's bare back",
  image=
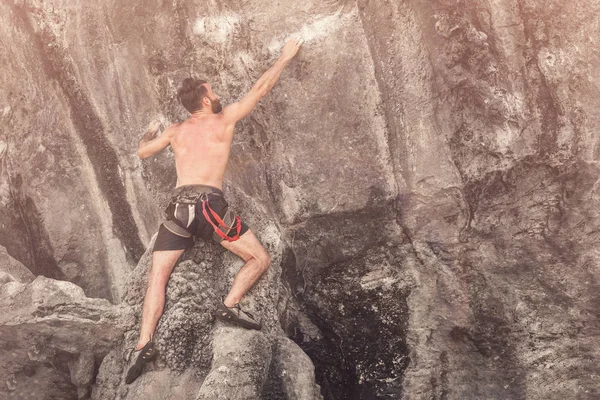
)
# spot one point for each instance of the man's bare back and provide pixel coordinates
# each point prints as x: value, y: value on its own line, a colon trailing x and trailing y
x: 202, y: 142
x: 201, y: 146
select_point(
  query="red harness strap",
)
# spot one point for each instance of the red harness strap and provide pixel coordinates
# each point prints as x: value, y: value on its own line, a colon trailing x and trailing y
x: 238, y: 223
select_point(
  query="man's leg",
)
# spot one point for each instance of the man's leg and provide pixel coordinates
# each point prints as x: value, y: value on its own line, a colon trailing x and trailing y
x: 154, y: 302
x: 257, y: 262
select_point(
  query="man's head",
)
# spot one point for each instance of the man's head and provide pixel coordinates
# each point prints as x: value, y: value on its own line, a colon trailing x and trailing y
x: 196, y: 94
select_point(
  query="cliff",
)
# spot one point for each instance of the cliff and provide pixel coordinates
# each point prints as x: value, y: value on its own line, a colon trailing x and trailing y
x: 424, y: 176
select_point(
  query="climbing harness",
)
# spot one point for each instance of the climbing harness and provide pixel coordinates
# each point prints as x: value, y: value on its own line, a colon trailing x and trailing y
x: 182, y: 211
x: 222, y: 224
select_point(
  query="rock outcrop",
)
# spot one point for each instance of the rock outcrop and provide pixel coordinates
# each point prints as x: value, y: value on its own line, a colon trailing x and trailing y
x: 52, y: 338
x: 424, y: 176
x: 201, y: 359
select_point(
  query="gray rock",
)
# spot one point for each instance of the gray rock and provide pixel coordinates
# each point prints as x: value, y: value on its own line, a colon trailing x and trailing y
x: 48, y: 328
x: 82, y: 369
x: 14, y: 269
x: 201, y: 358
x: 424, y: 175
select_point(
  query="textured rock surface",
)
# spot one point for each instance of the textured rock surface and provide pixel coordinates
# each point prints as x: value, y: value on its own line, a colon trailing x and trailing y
x: 201, y: 359
x: 51, y: 336
x: 425, y: 176
x: 13, y: 270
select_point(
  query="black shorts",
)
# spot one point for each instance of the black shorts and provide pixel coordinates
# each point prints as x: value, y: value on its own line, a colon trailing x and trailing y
x: 185, y: 218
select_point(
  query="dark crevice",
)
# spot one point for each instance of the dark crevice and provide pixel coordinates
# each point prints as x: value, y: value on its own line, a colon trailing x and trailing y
x: 348, y: 350
x: 273, y: 388
x: 349, y: 364
x: 333, y: 371
x: 26, y: 239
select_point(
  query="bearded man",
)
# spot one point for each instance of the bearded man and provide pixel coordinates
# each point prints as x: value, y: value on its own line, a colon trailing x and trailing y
x: 201, y: 145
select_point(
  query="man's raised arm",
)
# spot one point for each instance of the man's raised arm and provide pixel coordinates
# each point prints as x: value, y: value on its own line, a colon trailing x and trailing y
x: 236, y: 111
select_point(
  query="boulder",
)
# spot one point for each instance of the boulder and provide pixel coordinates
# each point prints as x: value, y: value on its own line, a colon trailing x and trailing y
x: 51, y: 335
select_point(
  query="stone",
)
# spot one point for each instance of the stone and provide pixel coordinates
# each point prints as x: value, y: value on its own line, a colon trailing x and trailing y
x: 14, y: 268
x: 82, y: 369
x: 424, y: 176
x: 48, y: 328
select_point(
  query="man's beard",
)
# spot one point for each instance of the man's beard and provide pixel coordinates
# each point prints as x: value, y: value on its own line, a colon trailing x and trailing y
x: 215, y: 105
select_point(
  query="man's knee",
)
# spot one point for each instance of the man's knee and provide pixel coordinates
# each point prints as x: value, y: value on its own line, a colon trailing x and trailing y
x: 163, y: 263
x: 265, y: 260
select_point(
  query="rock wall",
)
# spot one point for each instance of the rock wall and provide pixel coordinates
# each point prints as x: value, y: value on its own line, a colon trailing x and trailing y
x: 425, y: 175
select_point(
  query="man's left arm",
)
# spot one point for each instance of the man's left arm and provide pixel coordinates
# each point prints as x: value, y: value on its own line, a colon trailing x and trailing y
x: 150, y: 145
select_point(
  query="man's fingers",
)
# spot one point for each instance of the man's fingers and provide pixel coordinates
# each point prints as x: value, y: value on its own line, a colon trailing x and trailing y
x: 292, y: 46
x: 296, y: 40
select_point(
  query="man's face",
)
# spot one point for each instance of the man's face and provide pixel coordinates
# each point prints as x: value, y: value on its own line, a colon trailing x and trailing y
x: 215, y: 104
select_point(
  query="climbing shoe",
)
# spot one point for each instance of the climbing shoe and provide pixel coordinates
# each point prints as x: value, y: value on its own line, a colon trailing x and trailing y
x: 142, y: 357
x: 236, y: 316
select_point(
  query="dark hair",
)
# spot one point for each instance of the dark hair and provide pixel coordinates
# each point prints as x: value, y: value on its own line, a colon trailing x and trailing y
x: 191, y: 94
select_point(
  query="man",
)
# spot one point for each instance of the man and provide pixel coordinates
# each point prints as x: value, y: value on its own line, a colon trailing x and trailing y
x: 201, y: 145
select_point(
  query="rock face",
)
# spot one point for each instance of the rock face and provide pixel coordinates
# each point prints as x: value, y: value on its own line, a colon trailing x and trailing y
x: 424, y: 176
x: 51, y: 337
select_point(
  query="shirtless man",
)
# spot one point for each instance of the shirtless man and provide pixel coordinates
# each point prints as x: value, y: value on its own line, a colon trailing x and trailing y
x: 201, y: 145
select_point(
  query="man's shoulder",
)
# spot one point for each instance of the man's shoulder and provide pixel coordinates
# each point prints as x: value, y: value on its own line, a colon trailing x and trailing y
x: 173, y: 128
x: 214, y: 123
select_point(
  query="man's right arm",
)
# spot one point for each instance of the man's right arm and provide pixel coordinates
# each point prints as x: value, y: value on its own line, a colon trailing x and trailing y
x: 150, y: 145
x: 236, y: 111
